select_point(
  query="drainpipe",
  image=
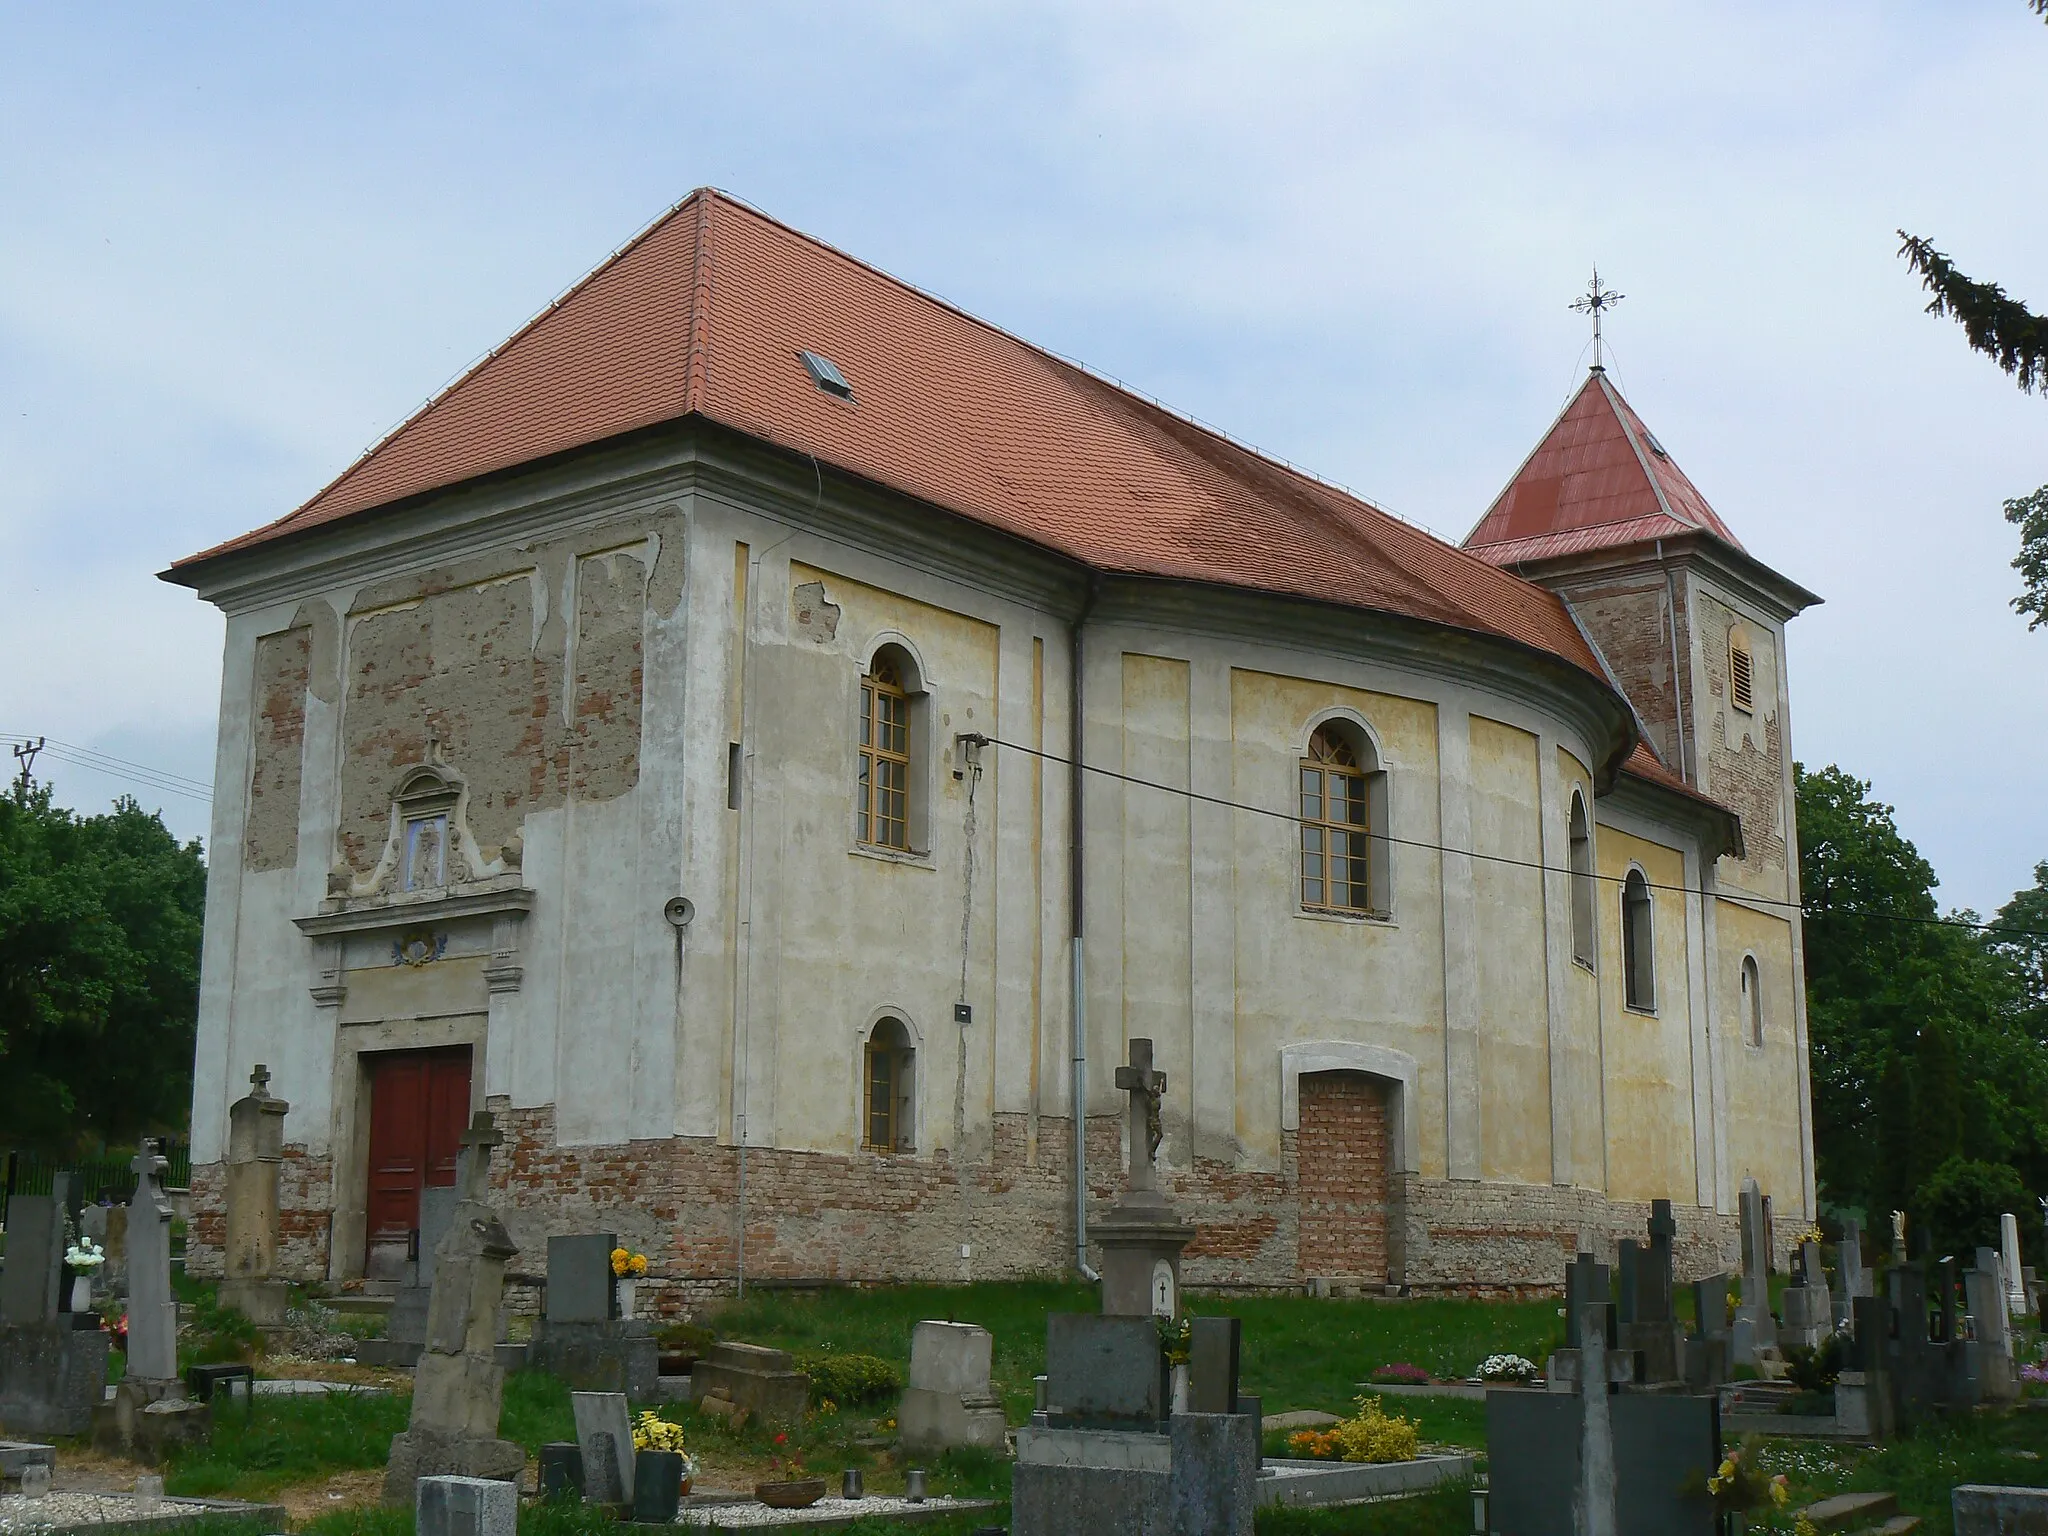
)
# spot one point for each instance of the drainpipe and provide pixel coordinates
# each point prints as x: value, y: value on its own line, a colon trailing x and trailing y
x: 1677, y: 698
x: 1076, y: 798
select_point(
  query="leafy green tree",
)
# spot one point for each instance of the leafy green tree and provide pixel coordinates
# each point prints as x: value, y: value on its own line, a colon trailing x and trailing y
x: 2016, y: 338
x: 99, y: 973
x: 1961, y: 1201
x: 2020, y: 938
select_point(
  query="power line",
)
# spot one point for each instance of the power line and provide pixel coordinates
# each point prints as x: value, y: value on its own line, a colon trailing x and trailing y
x: 1502, y: 858
x: 115, y: 767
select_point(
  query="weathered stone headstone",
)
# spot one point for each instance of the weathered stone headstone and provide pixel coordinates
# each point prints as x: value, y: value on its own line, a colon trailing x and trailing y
x: 1809, y: 1315
x: 1756, y: 1330
x: 1990, y: 1360
x: 765, y: 1382
x: 581, y: 1285
x: 1213, y: 1346
x: 52, y: 1373
x: 1707, y: 1348
x: 581, y: 1337
x: 466, y: 1506
x: 152, y: 1308
x: 459, y: 1385
x: 31, y: 1279
x: 604, y: 1434
x: 255, y: 1151
x: 1104, y: 1370
x: 1141, y: 1236
x: 1586, y: 1281
x: 1594, y: 1503
x: 2009, y: 1256
x: 1651, y: 1328
x: 949, y: 1401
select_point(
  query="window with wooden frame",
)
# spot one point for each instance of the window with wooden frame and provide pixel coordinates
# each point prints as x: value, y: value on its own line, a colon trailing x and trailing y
x: 1753, y: 1000
x: 887, y: 1065
x: 1638, y: 945
x: 1336, y: 827
x: 1741, y: 670
x: 884, y: 789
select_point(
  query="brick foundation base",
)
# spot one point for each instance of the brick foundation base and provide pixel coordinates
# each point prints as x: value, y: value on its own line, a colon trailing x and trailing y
x: 815, y: 1217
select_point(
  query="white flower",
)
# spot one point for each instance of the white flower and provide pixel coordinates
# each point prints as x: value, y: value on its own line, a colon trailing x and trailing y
x: 85, y: 1256
x: 1507, y: 1368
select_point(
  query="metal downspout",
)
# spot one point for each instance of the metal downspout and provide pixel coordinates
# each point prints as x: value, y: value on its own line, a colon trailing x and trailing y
x: 1076, y: 798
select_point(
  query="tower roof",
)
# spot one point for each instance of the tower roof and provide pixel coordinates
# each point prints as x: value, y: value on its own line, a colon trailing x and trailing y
x: 1598, y: 480
x: 718, y: 313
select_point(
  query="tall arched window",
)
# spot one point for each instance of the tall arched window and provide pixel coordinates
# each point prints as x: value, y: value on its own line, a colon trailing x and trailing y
x: 1752, y: 1000
x: 888, y: 1068
x: 1583, y: 906
x: 1343, y: 812
x: 884, y: 791
x: 1638, y: 955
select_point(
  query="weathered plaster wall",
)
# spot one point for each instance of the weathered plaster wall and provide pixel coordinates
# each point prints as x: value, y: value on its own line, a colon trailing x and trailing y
x: 1762, y: 1083
x: 1629, y: 616
x: 1514, y: 1054
x: 282, y: 663
x: 1743, y: 764
x: 1578, y: 1064
x: 1649, y: 1061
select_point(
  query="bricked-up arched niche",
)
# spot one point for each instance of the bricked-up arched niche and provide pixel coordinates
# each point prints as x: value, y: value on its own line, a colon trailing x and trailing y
x: 1583, y: 900
x: 893, y: 757
x: 1638, y: 944
x: 1348, y: 1107
x: 888, y: 1087
x: 1752, y: 1001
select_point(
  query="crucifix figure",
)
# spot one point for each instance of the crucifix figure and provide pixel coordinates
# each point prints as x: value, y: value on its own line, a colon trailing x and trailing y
x: 474, y: 1161
x: 1596, y: 301
x: 259, y: 1082
x: 1146, y: 1089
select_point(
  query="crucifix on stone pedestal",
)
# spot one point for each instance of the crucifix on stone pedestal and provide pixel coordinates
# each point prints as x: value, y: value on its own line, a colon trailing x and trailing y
x: 1146, y: 1088
x: 473, y: 1162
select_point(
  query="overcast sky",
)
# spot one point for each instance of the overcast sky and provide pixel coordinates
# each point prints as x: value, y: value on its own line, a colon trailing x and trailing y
x: 239, y: 243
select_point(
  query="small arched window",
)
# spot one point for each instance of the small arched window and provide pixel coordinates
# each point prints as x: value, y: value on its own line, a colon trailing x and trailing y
x: 1752, y: 1000
x: 1583, y: 905
x: 1741, y: 669
x: 883, y: 810
x: 1343, y: 824
x: 1638, y: 954
x: 888, y: 1070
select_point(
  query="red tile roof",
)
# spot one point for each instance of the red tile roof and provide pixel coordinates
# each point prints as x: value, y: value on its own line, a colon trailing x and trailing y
x: 704, y: 315
x: 1598, y: 479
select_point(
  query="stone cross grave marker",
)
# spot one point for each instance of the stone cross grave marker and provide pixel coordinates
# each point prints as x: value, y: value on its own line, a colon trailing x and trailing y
x: 2009, y: 1258
x: 1755, y: 1329
x: 255, y: 1151
x: 1585, y: 1283
x: 1593, y: 1506
x: 32, y: 1279
x: 1654, y: 1287
x: 1146, y: 1088
x: 152, y: 1309
x: 604, y: 1433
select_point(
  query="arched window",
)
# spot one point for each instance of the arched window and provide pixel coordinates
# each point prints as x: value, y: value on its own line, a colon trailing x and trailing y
x: 885, y: 741
x: 1343, y: 824
x: 1638, y: 956
x: 1741, y: 669
x: 1582, y: 882
x: 888, y: 1069
x: 1752, y: 1000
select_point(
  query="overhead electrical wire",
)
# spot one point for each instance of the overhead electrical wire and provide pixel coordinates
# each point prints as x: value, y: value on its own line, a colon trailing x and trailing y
x: 114, y: 767
x: 1502, y: 858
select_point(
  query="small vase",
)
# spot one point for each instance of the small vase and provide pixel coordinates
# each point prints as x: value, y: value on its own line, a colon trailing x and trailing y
x: 1180, y: 1389
x: 626, y: 1297
x: 81, y: 1293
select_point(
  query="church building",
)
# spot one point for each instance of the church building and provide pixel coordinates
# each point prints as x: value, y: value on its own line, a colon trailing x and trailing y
x: 775, y: 740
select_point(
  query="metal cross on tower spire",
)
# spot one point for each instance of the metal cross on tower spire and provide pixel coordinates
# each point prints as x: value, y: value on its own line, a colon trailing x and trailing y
x: 1596, y: 301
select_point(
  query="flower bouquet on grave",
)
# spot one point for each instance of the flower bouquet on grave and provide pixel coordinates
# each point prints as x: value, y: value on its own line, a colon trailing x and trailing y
x: 651, y: 1433
x: 791, y: 1487
x: 82, y: 1258
x: 627, y: 1268
x: 1739, y: 1485
x: 1507, y: 1370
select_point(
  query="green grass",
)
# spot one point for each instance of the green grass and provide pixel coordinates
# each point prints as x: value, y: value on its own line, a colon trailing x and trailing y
x: 287, y: 1440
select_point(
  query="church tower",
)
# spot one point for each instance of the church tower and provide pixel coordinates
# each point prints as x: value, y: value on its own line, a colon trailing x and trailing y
x: 1690, y: 625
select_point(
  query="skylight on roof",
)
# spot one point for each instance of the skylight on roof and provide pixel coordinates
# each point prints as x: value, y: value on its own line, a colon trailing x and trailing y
x: 1649, y: 437
x: 826, y: 375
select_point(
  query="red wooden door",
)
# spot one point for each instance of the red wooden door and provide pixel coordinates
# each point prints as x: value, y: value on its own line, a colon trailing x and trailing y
x: 419, y: 1104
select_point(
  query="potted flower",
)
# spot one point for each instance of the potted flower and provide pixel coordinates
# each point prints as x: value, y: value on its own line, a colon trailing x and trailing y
x: 1739, y: 1486
x: 627, y: 1268
x: 657, y: 1434
x: 791, y: 1487
x: 82, y: 1258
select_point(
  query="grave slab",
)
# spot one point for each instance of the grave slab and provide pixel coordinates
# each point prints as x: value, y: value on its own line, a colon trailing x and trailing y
x: 765, y: 1382
x: 1104, y: 1369
x: 465, y: 1506
x: 604, y: 1436
x: 948, y: 1402
x: 1984, y: 1509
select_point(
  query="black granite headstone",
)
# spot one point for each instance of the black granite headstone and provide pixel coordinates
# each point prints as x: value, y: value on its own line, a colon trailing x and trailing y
x: 657, y: 1487
x: 1104, y: 1370
x: 580, y: 1279
x: 1212, y: 1364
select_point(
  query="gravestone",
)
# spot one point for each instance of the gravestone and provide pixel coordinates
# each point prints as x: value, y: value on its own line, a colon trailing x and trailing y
x: 1755, y: 1334
x: 1990, y: 1356
x: 152, y: 1309
x: 1593, y: 1499
x: 765, y: 1382
x: 1213, y: 1347
x: 1103, y: 1371
x: 255, y: 1151
x: 405, y: 1329
x: 604, y: 1434
x: 1855, y: 1278
x: 2009, y: 1255
x: 1650, y: 1326
x: 52, y: 1372
x: 580, y: 1336
x: 1141, y: 1237
x: 1665, y: 1444
x: 1707, y: 1347
x: 465, y: 1506
x: 107, y: 1225
x: 1809, y: 1314
x: 949, y: 1402
x: 458, y: 1386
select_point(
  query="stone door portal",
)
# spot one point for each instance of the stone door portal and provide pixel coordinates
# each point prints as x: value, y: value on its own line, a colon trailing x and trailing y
x: 1341, y: 1187
x: 419, y: 1105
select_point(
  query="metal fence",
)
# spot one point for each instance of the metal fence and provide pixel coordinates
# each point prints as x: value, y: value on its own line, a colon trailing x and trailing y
x: 94, y: 1179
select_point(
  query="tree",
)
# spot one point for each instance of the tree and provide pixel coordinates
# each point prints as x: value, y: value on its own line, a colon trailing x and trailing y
x: 2020, y: 938
x: 2016, y: 338
x: 99, y: 973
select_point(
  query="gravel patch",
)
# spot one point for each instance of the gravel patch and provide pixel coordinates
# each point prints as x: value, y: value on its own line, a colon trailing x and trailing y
x: 67, y: 1509
x: 829, y: 1510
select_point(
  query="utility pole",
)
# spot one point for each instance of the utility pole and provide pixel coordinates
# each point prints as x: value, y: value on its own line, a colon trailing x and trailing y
x: 25, y: 754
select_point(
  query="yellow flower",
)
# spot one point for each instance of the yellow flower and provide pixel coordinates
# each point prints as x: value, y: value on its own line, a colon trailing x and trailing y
x: 1780, y: 1494
x: 620, y: 1259
x: 639, y: 1263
